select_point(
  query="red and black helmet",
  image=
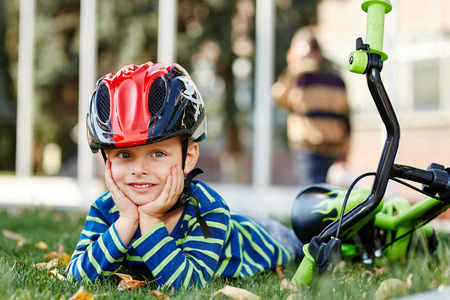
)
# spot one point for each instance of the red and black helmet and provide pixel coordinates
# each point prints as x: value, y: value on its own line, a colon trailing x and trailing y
x: 145, y: 104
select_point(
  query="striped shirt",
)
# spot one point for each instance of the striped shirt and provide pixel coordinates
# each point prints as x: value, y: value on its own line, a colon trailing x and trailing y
x: 238, y: 247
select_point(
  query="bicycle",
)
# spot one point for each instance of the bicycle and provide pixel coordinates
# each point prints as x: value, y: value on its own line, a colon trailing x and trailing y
x: 337, y: 222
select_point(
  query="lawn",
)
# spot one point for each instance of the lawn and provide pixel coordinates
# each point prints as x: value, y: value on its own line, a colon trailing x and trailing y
x: 20, y: 277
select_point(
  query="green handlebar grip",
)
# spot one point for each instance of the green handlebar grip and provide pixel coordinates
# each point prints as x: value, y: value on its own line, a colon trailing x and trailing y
x: 357, y: 61
x: 376, y: 9
x: 306, y: 270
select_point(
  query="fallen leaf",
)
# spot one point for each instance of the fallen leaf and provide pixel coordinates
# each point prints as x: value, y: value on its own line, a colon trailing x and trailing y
x: 42, y: 245
x: 236, y: 293
x: 279, y: 270
x: 128, y: 283
x: 82, y: 294
x: 287, y: 286
x: 20, y: 240
x: 64, y: 260
x: 54, y: 272
x: 61, y: 255
x: 379, y: 271
x: 160, y: 295
x: 390, y: 288
x: 47, y: 265
x: 409, y: 281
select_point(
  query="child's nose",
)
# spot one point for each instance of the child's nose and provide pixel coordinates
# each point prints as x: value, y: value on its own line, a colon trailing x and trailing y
x: 139, y: 169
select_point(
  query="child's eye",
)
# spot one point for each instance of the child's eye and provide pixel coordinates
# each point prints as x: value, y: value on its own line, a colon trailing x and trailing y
x: 158, y: 154
x: 124, y: 155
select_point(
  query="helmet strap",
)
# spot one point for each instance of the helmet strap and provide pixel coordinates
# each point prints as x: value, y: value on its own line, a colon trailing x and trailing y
x: 184, y: 150
x: 102, y: 151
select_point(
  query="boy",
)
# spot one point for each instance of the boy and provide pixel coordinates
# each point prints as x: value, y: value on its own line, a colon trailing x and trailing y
x: 146, y: 121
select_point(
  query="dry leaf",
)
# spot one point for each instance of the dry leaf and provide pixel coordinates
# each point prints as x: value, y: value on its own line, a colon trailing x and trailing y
x: 42, y: 245
x: 128, y: 283
x: 62, y: 257
x: 409, y: 281
x: 20, y: 240
x: 391, y: 287
x: 287, y: 286
x: 279, y: 270
x: 54, y: 272
x: 64, y: 260
x: 379, y: 271
x: 82, y: 294
x: 236, y: 293
x: 47, y: 265
x: 160, y: 295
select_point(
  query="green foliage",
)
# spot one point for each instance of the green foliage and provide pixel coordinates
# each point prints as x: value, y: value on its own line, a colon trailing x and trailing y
x: 20, y: 279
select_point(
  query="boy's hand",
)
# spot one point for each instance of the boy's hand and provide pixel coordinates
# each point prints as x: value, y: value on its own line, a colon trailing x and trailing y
x: 151, y: 213
x: 128, y: 221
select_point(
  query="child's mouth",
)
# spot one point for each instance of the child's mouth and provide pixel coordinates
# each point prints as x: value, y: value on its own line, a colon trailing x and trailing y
x: 141, y: 186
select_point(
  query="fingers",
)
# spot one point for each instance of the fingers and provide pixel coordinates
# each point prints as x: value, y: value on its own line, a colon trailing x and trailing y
x: 174, y: 185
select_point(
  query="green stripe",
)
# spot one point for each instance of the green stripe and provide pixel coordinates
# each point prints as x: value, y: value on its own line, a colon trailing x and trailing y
x: 281, y: 247
x: 113, y: 209
x: 201, y: 263
x: 248, y: 258
x: 214, y: 211
x: 117, y: 240
x: 93, y: 261
x: 202, y: 239
x: 205, y: 192
x: 134, y: 258
x: 106, y: 196
x: 105, y: 251
x: 239, y: 269
x: 254, y: 245
x: 218, y: 225
x: 188, y: 276
x: 263, y: 237
x: 147, y: 234
x: 176, y: 274
x: 200, y: 274
x: 165, y: 262
x: 80, y: 269
x: 96, y: 220
x: 88, y: 233
x: 156, y: 248
x: 249, y: 270
x: 211, y: 254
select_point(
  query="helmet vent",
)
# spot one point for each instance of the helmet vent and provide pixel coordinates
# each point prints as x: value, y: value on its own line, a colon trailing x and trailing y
x: 156, y: 96
x: 103, y: 107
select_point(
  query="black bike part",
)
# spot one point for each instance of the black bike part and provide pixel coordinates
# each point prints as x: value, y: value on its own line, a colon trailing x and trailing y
x: 441, y: 181
x: 308, y: 219
x: 326, y: 255
x: 411, y: 173
x: 434, y: 180
x: 386, y: 162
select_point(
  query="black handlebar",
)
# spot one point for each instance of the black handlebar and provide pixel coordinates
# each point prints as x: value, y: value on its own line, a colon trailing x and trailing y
x: 389, y: 118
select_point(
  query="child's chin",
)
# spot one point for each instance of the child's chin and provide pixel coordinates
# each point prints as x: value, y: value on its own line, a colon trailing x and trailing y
x: 140, y: 202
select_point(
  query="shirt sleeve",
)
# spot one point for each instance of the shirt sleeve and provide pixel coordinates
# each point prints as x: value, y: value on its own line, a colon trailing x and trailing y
x: 190, y: 261
x: 99, y: 251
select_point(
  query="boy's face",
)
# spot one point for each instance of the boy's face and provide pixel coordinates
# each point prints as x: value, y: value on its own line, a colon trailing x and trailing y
x: 141, y: 172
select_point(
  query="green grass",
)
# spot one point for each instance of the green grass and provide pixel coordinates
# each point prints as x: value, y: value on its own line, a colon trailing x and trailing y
x: 20, y: 279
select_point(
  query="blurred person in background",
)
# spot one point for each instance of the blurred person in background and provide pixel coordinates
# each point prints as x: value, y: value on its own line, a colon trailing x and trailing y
x: 318, y: 127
